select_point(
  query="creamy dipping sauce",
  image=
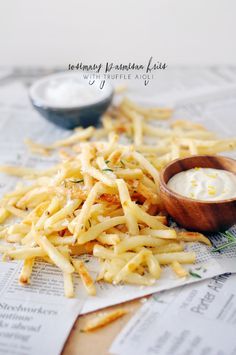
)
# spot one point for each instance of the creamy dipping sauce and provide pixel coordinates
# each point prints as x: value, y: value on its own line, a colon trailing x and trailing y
x: 68, y: 92
x: 204, y: 184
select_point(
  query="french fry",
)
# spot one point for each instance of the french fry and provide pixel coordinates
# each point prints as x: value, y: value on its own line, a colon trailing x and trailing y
x: 103, y: 267
x: 103, y: 319
x: 175, y: 151
x: 106, y: 253
x: 193, y: 237
x: 158, y: 113
x: 95, y: 231
x: 37, y: 148
x: 142, y: 216
x: 19, y: 191
x: 187, y: 125
x: 64, y: 212
x: 137, y: 120
x: 138, y: 241
x: 137, y: 279
x: 158, y: 131
x: 36, y: 213
x: 28, y: 240
x: 102, y: 164
x: 149, y: 183
x: 85, y: 276
x: 16, y: 170
x: 68, y: 240
x: 16, y: 211
x: 182, y: 258
x: 169, y: 248
x: 26, y: 271
x: 25, y: 253
x: 131, y: 265
x: 162, y: 233
x: 4, y: 214
x: 98, y: 175
x: 178, y: 269
x: 53, y: 253
x: 102, y: 252
x: 129, y: 173
x: 153, y: 266
x: 75, y: 138
x: 125, y: 198
x: 52, y: 208
x: 81, y: 220
x: 148, y: 193
x: 35, y: 197
x: 86, y: 248
x: 68, y: 284
x: 148, y: 167
x: 18, y: 228
x: 109, y: 239
x: 13, y: 238
x: 68, y: 278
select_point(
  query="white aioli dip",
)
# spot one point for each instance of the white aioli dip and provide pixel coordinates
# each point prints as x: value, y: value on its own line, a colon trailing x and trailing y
x: 71, y: 90
x: 204, y: 184
x: 68, y: 92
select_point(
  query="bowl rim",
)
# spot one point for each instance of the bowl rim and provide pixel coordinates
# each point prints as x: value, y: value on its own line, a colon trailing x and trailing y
x: 178, y: 196
x: 39, y: 103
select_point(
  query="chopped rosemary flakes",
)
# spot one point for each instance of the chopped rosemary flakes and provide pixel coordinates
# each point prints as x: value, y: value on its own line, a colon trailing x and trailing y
x: 194, y: 274
x: 231, y: 240
x: 107, y: 169
x: 76, y: 181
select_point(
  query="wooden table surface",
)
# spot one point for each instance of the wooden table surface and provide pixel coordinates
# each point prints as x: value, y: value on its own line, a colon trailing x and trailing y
x: 98, y: 342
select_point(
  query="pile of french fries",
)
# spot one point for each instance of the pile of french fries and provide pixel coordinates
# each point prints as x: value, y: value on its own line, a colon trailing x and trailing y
x: 103, y: 199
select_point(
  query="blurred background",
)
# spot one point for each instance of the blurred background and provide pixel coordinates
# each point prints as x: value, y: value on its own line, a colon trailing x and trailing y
x: 61, y: 32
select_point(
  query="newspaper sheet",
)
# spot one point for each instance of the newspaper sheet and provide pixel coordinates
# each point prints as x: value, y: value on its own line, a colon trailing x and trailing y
x: 192, y: 320
x: 203, y: 95
x: 36, y: 319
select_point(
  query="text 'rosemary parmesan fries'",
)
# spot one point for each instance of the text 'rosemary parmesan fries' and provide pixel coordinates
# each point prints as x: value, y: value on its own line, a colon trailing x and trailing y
x: 102, y: 198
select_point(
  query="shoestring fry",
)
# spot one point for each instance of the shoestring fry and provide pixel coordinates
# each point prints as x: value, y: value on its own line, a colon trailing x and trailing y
x: 102, y: 198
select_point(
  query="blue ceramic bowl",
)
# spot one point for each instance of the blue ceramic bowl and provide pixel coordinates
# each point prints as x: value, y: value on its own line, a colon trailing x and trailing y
x: 70, y: 116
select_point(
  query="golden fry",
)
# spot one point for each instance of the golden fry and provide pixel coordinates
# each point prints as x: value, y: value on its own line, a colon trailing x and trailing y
x: 26, y: 271
x: 103, y: 319
x: 85, y: 276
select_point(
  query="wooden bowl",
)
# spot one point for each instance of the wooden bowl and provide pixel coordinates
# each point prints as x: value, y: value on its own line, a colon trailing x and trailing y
x: 203, y: 216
